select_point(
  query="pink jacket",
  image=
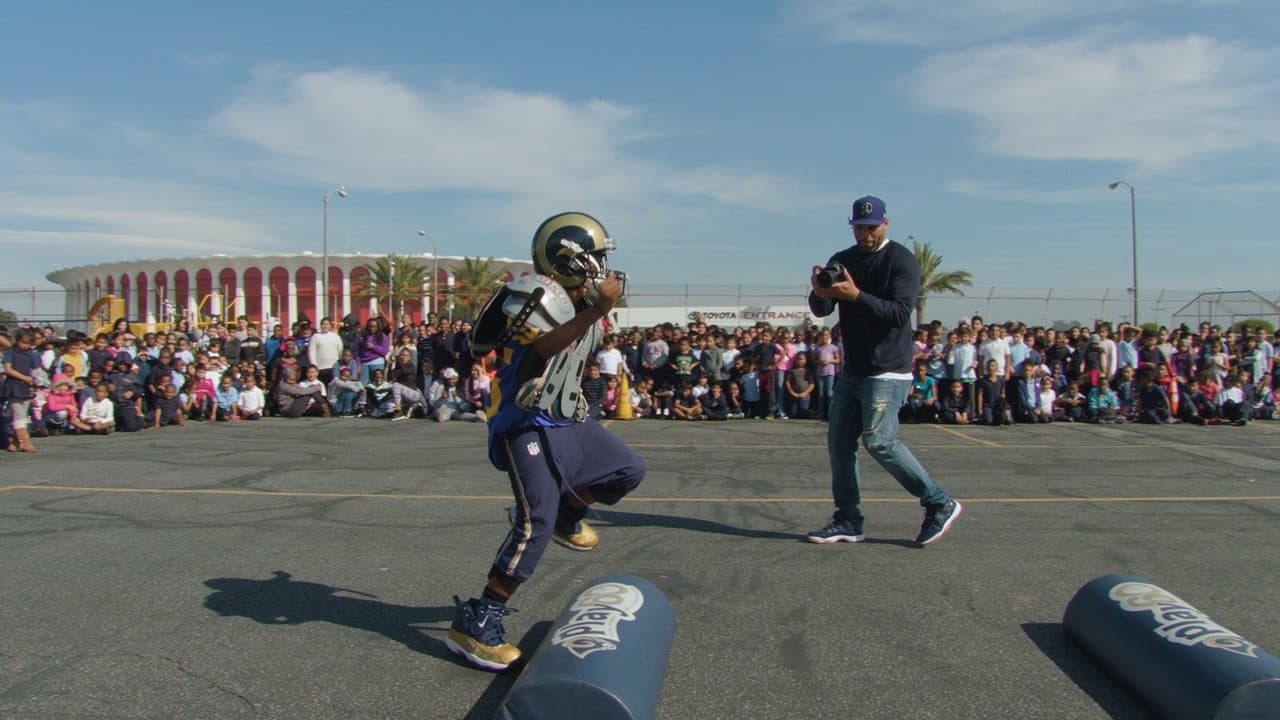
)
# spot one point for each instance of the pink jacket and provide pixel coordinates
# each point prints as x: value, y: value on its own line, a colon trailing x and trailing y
x: 58, y: 402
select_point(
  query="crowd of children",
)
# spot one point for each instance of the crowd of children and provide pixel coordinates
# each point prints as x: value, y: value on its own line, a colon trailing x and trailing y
x: 117, y: 381
x: 972, y: 374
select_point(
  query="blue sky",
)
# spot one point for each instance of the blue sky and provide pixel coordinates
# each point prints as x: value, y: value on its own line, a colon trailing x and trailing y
x: 720, y: 142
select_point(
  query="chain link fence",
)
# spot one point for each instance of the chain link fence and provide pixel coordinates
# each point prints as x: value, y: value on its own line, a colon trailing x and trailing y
x: 736, y: 305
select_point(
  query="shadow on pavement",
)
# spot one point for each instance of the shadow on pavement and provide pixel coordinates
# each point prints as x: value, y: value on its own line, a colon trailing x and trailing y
x: 634, y: 519
x: 487, y: 705
x: 1075, y: 664
x: 281, y: 600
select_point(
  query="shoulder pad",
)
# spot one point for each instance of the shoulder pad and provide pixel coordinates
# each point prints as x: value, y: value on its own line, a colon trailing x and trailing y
x: 528, y: 301
x: 541, y: 300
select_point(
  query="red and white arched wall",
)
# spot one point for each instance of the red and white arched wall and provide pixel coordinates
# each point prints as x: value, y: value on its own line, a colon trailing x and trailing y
x: 267, y: 289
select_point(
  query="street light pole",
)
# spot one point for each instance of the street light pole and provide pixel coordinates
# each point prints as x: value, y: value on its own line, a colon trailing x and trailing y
x: 1133, y: 229
x: 391, y: 290
x: 435, y: 270
x: 341, y: 191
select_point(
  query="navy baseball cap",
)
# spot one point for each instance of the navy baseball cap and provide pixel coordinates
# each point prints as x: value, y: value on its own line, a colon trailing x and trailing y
x: 867, y: 210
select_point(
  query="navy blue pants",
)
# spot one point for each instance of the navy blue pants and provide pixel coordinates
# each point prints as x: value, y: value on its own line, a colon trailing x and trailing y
x: 544, y: 464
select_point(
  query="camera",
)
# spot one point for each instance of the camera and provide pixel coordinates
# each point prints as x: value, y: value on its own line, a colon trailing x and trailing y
x: 830, y: 275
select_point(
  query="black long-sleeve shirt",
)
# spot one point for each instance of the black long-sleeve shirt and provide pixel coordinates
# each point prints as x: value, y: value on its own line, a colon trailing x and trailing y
x: 876, y: 328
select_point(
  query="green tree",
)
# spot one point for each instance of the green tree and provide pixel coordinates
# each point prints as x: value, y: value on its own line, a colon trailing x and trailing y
x: 474, y: 281
x: 393, y: 280
x: 8, y: 317
x: 934, y: 281
x: 1251, y: 326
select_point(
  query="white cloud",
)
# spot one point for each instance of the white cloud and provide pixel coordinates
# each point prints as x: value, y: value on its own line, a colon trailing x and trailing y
x: 369, y: 130
x: 1156, y: 103
x: 927, y: 23
x: 987, y: 190
x: 153, y: 217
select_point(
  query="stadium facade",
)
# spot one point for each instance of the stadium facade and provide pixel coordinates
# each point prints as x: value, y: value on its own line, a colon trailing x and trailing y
x: 266, y: 288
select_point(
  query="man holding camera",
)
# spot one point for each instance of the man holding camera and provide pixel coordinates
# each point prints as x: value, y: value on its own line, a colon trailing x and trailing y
x: 875, y: 285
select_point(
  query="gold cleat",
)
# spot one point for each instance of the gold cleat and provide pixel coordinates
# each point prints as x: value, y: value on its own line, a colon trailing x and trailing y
x: 489, y: 657
x: 583, y: 540
x: 477, y: 634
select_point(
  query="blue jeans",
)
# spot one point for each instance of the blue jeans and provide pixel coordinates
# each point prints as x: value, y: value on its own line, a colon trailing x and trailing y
x: 778, y: 398
x: 867, y: 408
x: 345, y: 402
x: 826, y: 383
x: 366, y: 369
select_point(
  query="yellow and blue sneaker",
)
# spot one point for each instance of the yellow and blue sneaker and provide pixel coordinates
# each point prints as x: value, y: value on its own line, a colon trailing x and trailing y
x: 478, y: 635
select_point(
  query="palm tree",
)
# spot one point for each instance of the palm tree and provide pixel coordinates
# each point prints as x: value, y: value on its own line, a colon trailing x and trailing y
x: 933, y: 281
x: 394, y: 279
x: 474, y: 281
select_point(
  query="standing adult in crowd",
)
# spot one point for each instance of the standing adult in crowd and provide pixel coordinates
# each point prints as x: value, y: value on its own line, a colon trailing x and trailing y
x: 876, y: 292
x: 372, y: 349
x: 324, y: 350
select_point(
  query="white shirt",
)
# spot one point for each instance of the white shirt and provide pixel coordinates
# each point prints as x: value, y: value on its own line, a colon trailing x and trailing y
x: 1047, y: 397
x: 93, y: 411
x: 609, y: 360
x: 251, y: 399
x: 324, y: 349
x: 1110, y: 356
x: 993, y: 350
x: 1234, y: 394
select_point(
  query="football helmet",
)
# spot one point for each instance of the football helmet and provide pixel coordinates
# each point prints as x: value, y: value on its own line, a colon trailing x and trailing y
x: 572, y: 248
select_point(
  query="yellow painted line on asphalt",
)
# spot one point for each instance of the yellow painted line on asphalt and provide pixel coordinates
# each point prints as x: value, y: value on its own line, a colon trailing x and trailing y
x: 7, y: 488
x: 727, y: 446
x: 957, y: 433
x: 634, y: 500
x: 256, y: 493
x: 916, y: 445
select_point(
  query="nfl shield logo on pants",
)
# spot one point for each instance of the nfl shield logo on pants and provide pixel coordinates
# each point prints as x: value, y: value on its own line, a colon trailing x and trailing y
x: 533, y: 448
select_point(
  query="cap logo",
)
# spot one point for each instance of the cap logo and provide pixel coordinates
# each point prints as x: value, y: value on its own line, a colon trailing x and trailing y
x: 867, y: 208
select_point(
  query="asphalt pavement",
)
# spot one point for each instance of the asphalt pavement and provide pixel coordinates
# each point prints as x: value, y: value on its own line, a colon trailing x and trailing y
x: 306, y: 568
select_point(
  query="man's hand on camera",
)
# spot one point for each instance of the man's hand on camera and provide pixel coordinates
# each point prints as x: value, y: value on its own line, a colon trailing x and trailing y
x: 843, y: 289
x: 610, y: 291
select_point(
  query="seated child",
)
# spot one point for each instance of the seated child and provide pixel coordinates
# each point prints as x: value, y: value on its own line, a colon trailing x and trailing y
x: 953, y: 408
x: 1071, y: 404
x: 1045, y: 403
x: 714, y: 404
x: 1152, y: 405
x: 97, y: 414
x: 60, y: 406
x: 686, y: 406
x: 1230, y: 401
x: 129, y: 411
x: 733, y: 401
x: 225, y: 399
x: 169, y: 409
x: 1104, y: 404
x: 250, y: 402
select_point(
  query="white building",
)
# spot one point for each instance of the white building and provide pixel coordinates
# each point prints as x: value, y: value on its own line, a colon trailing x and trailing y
x: 266, y: 288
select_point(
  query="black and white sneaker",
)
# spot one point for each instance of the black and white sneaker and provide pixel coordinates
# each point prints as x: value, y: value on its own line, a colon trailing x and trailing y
x: 937, y: 521
x: 837, y: 531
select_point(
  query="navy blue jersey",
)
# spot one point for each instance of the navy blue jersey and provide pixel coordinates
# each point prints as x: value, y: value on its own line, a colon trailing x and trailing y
x: 519, y: 363
x: 876, y: 328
